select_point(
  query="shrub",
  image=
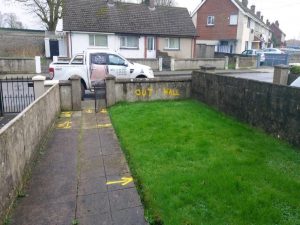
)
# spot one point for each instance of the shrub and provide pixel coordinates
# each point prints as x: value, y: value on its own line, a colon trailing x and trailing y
x: 295, y: 70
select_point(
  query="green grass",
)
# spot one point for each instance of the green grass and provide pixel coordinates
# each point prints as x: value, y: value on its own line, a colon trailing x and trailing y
x: 194, y: 165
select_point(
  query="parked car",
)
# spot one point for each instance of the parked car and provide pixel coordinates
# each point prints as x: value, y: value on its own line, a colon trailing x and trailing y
x: 94, y: 65
x: 255, y: 52
x: 272, y: 51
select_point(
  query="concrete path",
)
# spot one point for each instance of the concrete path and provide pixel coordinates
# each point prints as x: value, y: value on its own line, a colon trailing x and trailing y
x: 69, y: 183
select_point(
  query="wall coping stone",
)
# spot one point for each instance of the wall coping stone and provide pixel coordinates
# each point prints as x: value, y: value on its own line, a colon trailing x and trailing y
x: 154, y: 80
x: 39, y: 78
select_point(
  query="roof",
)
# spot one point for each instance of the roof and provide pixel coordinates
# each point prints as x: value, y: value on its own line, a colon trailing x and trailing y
x: 241, y: 7
x: 126, y: 18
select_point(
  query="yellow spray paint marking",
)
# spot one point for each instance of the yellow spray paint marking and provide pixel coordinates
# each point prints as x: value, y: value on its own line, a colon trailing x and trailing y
x: 66, y: 114
x: 64, y: 125
x: 103, y: 111
x: 89, y: 111
x: 104, y: 125
x: 124, y: 181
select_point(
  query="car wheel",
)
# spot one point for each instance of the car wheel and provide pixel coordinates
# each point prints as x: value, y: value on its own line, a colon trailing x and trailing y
x: 141, y: 76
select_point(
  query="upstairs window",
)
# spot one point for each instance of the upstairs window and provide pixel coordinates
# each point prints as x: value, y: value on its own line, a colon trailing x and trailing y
x: 233, y: 20
x: 98, y: 40
x: 210, y: 21
x: 130, y: 42
x: 172, y: 43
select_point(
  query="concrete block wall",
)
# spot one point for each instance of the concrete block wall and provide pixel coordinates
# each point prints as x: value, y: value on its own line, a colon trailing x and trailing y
x: 153, y: 63
x: 194, y: 64
x: 20, y: 138
x: 274, y: 108
x: 17, y: 65
x: 246, y: 62
x: 132, y: 90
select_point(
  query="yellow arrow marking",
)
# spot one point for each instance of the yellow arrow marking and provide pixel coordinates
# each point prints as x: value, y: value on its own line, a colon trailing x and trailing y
x: 103, y: 111
x: 89, y: 111
x: 124, y: 181
x: 66, y: 114
x: 65, y: 125
x: 104, y: 125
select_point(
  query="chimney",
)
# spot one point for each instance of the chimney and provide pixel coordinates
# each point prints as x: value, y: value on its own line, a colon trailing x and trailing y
x: 268, y: 23
x: 151, y: 5
x: 245, y: 3
x: 110, y: 2
x: 253, y: 8
x: 262, y: 18
x: 277, y: 23
x: 258, y: 14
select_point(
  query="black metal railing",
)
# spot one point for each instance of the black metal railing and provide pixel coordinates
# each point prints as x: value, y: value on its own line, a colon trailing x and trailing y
x: 100, y: 95
x: 15, y: 94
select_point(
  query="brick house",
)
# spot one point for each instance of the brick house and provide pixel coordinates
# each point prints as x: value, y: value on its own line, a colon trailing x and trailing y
x: 230, y: 26
x: 278, y: 37
x: 133, y: 30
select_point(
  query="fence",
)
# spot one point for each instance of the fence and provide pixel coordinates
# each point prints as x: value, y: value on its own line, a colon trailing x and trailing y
x: 15, y: 94
x: 276, y: 59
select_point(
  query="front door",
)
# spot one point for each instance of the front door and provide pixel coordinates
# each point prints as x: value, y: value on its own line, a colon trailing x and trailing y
x: 151, y: 48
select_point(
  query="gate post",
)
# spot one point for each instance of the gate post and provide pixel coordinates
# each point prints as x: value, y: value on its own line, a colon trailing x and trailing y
x: 38, y: 83
x: 110, y: 90
x: 76, y: 92
x: 281, y: 73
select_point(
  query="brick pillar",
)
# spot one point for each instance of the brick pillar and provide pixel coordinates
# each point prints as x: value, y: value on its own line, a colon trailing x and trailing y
x: 281, y: 74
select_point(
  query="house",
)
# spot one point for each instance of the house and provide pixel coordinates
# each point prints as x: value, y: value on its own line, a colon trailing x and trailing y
x: 230, y: 26
x: 133, y: 30
x: 278, y: 35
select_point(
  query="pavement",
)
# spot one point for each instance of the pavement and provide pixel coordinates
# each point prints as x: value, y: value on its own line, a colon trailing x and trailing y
x: 81, y: 177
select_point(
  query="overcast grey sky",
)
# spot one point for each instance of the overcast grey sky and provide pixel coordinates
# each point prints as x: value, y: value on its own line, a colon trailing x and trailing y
x: 286, y: 12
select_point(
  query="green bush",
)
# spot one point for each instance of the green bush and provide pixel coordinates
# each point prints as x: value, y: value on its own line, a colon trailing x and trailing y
x: 295, y: 70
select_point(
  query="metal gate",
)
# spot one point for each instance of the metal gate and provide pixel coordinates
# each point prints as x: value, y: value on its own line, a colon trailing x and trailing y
x: 100, y: 95
x: 276, y: 59
x: 15, y: 94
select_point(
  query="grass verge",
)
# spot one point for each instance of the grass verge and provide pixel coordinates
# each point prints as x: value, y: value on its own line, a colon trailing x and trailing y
x: 194, y: 165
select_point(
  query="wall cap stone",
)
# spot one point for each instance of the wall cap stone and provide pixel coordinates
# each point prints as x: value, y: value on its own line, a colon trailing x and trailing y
x: 39, y: 78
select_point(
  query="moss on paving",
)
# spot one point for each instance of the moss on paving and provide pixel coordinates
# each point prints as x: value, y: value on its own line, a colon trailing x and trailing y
x: 194, y: 165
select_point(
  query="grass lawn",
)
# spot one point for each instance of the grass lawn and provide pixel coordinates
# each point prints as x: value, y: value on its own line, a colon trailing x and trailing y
x: 194, y: 165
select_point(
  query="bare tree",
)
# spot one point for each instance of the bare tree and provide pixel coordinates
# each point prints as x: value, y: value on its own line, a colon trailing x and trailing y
x: 48, y: 11
x: 10, y: 20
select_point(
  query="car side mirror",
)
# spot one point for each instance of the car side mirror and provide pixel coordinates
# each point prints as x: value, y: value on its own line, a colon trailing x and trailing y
x: 126, y: 64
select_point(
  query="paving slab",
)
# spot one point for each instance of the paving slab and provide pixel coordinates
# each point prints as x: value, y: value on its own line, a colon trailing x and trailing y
x: 81, y: 175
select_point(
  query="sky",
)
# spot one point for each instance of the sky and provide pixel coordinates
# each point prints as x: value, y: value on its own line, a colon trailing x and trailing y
x: 286, y: 12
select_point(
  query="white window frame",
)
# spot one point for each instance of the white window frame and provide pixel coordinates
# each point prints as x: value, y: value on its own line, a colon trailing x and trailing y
x: 126, y: 42
x: 210, y: 21
x: 167, y: 46
x: 233, y: 19
x: 94, y: 40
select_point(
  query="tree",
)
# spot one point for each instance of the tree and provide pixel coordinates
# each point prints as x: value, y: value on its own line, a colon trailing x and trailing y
x: 10, y: 20
x: 48, y: 11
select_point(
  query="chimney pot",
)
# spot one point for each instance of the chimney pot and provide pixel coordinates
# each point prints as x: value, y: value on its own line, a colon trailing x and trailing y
x: 262, y: 18
x: 253, y: 8
x: 258, y: 14
x: 277, y: 23
x: 245, y: 3
x: 151, y: 5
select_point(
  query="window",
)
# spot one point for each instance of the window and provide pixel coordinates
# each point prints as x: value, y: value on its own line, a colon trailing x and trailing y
x: 78, y: 59
x: 99, y: 59
x: 98, y: 40
x: 116, y: 60
x: 233, y: 20
x: 172, y: 43
x: 130, y: 42
x: 210, y: 21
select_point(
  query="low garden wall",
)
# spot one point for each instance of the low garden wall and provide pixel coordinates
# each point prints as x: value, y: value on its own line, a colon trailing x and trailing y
x: 132, y: 90
x: 17, y: 65
x: 20, y: 138
x: 195, y: 64
x: 274, y: 108
x: 246, y: 62
x: 153, y: 63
